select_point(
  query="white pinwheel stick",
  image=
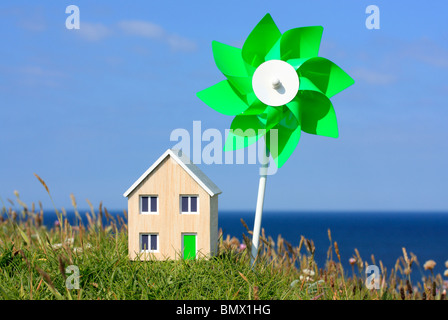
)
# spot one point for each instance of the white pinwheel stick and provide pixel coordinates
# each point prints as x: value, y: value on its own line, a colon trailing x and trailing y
x: 259, y: 208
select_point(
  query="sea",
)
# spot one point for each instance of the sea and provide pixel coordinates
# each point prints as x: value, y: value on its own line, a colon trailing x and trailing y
x: 381, y: 234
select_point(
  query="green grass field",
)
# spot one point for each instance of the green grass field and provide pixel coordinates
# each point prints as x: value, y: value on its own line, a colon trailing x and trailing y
x: 34, y: 261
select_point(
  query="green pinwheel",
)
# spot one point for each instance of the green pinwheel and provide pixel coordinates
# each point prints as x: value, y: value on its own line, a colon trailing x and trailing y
x: 275, y: 83
x: 307, y: 108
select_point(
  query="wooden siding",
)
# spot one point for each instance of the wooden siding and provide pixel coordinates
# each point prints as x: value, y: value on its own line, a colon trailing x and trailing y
x: 169, y: 181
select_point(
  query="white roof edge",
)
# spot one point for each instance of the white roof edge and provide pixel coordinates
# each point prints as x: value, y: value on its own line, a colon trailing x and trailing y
x: 187, y: 165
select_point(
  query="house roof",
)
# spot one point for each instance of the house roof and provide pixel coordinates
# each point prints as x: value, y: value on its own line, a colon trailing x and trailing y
x: 189, y: 167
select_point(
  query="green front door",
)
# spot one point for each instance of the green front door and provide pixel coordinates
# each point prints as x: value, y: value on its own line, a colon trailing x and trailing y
x: 189, y: 249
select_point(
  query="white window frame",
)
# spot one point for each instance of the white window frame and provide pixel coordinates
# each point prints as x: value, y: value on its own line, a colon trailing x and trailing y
x: 189, y: 203
x: 149, y: 203
x: 149, y: 242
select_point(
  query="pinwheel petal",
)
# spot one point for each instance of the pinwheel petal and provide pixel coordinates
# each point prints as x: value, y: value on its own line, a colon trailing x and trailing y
x: 260, y: 41
x: 307, y: 84
x: 283, y: 138
x: 274, y: 53
x: 271, y: 116
x: 229, y: 61
x: 301, y: 42
x: 255, y: 105
x: 296, y: 63
x: 223, y: 98
x: 317, y: 114
x: 325, y: 75
x: 294, y: 107
x: 244, y: 131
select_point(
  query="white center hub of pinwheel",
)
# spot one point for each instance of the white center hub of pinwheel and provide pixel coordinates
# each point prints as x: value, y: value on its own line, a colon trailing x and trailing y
x: 275, y: 82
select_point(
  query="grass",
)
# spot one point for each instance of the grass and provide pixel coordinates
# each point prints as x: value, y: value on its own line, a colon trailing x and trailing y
x: 34, y: 261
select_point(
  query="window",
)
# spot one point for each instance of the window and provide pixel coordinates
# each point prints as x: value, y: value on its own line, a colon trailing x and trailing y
x: 149, y: 242
x: 189, y: 204
x: 149, y: 204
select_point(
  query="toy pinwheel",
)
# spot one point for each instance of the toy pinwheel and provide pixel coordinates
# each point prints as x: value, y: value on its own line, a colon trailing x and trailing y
x: 275, y: 82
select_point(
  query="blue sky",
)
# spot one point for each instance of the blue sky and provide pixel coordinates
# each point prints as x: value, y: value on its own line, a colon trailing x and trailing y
x: 90, y: 110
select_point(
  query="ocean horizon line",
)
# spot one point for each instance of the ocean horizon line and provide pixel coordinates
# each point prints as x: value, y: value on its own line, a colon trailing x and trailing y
x: 275, y: 211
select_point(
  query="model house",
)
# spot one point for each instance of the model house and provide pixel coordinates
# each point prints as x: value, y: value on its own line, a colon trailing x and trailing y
x: 172, y: 211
